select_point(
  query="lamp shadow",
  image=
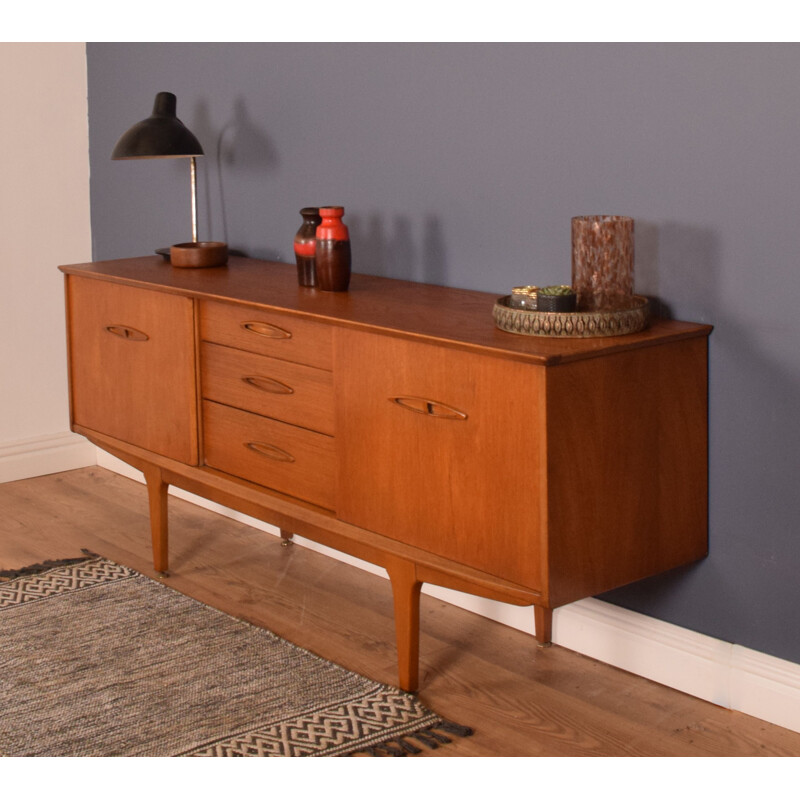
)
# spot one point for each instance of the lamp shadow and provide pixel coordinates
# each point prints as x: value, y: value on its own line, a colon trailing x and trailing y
x: 240, y: 145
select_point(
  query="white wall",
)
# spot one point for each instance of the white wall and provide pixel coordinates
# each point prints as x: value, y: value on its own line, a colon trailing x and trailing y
x: 44, y: 222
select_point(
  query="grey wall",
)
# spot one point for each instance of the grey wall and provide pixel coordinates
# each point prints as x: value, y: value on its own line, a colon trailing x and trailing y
x: 462, y: 165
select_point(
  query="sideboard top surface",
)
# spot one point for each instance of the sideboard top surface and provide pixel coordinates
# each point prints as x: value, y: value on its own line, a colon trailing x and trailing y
x: 461, y: 317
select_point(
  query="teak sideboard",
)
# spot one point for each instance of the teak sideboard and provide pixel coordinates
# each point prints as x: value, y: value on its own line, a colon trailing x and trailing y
x: 396, y: 423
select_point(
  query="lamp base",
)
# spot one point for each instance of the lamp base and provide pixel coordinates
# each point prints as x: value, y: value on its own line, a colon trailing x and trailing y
x: 199, y: 254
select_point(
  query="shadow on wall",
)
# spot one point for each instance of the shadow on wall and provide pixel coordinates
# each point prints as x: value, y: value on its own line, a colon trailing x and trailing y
x: 669, y: 259
x: 754, y: 502
x: 678, y: 261
x: 646, y: 267
x: 240, y: 145
x: 392, y: 249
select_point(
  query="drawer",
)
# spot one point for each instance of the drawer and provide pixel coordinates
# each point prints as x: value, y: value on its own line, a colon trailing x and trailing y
x: 283, y: 390
x: 269, y: 333
x: 279, y: 456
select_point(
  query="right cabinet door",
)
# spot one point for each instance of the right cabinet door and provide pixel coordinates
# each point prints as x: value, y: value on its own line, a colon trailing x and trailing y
x: 444, y: 450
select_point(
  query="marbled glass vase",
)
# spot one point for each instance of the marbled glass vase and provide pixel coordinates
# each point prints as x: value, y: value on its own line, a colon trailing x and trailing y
x: 602, y: 262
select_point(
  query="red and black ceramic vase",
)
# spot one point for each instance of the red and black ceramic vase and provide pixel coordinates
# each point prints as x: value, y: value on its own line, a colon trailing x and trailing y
x: 305, y: 247
x: 333, y: 251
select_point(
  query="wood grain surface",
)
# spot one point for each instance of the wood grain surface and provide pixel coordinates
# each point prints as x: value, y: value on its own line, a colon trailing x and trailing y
x: 470, y: 488
x: 563, y: 467
x: 132, y: 365
x: 276, y: 334
x: 521, y: 700
x: 627, y: 438
x: 289, y: 459
x: 413, y: 310
x: 271, y: 387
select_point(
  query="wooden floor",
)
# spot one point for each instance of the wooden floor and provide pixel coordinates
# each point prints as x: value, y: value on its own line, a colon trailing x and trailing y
x: 520, y: 700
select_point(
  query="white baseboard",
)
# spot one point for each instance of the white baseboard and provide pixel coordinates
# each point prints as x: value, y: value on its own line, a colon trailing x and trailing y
x: 726, y: 674
x: 44, y: 455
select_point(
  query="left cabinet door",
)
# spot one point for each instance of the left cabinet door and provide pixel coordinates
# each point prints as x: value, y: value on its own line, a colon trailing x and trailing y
x: 132, y: 365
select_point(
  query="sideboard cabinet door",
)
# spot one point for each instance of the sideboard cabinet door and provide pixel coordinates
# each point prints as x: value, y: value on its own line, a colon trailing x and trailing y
x: 444, y: 450
x: 132, y: 366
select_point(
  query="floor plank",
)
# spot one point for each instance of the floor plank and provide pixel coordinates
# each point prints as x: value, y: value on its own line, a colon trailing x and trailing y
x: 521, y: 700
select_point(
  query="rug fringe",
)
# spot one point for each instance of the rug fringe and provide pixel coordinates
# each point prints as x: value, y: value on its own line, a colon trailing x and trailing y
x: 35, y: 569
x: 430, y: 737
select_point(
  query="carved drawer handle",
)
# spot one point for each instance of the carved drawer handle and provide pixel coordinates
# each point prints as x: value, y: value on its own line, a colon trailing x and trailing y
x: 270, y: 451
x: 267, y: 384
x: 124, y: 332
x: 265, y: 329
x: 429, y: 407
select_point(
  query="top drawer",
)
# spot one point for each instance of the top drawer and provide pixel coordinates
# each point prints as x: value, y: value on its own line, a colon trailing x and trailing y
x: 266, y: 332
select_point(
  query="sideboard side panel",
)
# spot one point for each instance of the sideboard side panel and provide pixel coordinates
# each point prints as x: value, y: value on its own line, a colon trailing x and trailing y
x: 628, y: 470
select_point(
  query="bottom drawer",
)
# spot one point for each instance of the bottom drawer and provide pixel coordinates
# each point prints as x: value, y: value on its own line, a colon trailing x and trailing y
x: 282, y: 457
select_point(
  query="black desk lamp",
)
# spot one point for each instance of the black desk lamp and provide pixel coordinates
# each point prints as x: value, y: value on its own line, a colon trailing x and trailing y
x: 163, y: 135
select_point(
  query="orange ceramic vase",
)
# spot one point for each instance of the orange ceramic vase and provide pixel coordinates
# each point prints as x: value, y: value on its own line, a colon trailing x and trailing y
x: 333, y: 251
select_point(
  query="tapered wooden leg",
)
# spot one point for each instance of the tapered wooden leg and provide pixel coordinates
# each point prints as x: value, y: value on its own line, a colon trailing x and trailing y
x: 406, y: 589
x: 159, y: 530
x: 544, y: 625
x: 286, y: 538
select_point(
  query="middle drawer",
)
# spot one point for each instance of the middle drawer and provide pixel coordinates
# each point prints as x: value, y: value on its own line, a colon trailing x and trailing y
x: 268, y: 386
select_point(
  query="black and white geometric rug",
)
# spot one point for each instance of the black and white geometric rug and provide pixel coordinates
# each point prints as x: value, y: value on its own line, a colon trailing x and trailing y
x: 99, y: 660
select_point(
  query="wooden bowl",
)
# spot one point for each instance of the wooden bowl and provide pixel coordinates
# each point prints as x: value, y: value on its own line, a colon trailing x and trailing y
x: 198, y: 254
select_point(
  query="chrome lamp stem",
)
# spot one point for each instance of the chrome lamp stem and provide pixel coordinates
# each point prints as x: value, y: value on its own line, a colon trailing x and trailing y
x: 193, y: 170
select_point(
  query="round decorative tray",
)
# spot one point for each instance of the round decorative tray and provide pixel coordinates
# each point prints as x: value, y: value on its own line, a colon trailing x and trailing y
x: 575, y: 324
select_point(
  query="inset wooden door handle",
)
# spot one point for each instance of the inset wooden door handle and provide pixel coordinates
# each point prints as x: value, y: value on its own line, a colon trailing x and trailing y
x: 431, y: 408
x: 124, y: 332
x: 270, y: 451
x: 267, y: 384
x: 266, y: 329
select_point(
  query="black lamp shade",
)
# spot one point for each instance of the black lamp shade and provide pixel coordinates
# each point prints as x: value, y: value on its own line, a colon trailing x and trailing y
x: 161, y: 135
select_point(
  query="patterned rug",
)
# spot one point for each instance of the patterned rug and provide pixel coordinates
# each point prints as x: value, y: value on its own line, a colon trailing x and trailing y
x: 99, y: 660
